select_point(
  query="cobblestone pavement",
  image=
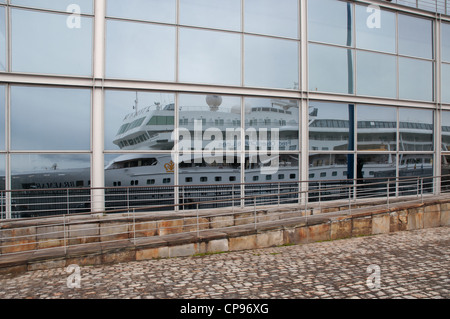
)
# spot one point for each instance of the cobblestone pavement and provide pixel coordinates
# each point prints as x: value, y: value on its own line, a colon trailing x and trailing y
x: 413, y: 264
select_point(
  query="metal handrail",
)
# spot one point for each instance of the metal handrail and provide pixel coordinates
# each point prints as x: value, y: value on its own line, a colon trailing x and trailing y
x: 196, y: 224
x: 373, y: 184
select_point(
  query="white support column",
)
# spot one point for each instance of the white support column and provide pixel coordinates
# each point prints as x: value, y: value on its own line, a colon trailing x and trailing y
x: 437, y: 117
x: 304, y: 163
x: 304, y: 103
x: 7, y: 199
x: 97, y: 160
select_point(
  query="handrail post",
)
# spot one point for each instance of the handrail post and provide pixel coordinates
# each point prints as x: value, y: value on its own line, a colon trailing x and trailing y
x: 232, y: 197
x: 320, y: 197
x: 198, y: 227
x: 388, y: 191
x: 279, y: 194
x: 64, y: 231
x: 417, y: 186
x: 350, y: 198
x: 134, y: 226
x: 67, y: 200
x: 254, y: 209
x: 421, y: 188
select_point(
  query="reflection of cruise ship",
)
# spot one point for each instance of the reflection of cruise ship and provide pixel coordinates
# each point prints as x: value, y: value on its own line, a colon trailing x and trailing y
x: 151, y: 128
x: 377, y: 138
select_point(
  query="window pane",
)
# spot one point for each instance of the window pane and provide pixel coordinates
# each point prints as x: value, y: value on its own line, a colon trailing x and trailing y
x: 271, y: 62
x: 415, y: 165
x: 209, y: 122
x: 416, y: 130
x: 2, y: 117
x: 377, y: 128
x: 330, y: 69
x: 85, y: 6
x: 329, y: 20
x: 45, y: 118
x: 53, y: 47
x: 329, y: 126
x: 150, y: 10
x: 445, y: 83
x: 416, y: 79
x: 445, y: 124
x: 37, y: 174
x: 415, y: 36
x: 445, y: 41
x: 328, y: 171
x: 374, y: 168
x: 210, y: 180
x: 270, y: 121
x: 217, y: 14
x: 139, y: 180
x: 210, y: 57
x: 36, y: 171
x: 273, y: 17
x: 269, y: 178
x: 376, y: 74
x: 132, y: 53
x: 138, y: 120
x: 373, y: 36
x: 2, y: 39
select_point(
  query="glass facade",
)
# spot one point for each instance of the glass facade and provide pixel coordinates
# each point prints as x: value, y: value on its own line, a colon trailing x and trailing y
x: 200, y: 96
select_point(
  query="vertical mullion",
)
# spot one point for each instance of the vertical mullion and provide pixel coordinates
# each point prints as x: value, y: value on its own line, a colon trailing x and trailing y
x: 97, y: 109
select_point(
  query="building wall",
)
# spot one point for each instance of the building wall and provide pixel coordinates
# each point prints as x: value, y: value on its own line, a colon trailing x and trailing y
x: 362, y: 84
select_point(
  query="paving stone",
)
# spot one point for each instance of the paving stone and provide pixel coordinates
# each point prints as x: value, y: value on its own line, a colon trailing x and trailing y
x: 413, y: 264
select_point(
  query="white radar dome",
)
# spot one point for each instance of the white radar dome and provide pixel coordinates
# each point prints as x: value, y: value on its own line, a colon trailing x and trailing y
x: 214, y: 101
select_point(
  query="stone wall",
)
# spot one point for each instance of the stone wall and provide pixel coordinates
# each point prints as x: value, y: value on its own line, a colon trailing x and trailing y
x: 110, y: 239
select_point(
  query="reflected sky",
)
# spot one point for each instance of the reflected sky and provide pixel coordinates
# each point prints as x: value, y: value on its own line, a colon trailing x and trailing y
x: 415, y: 36
x: 210, y: 57
x: 379, y: 39
x: 25, y: 163
x: 53, y: 47
x: 445, y: 41
x: 416, y: 79
x: 271, y: 62
x: 2, y: 39
x: 86, y: 6
x: 150, y: 10
x: 329, y: 69
x: 217, y: 14
x: 376, y: 74
x: 272, y: 17
x: 140, y: 51
x: 328, y: 21
x: 445, y: 83
x: 50, y: 118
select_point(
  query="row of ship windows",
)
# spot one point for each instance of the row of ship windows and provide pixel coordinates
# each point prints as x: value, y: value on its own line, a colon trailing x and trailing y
x: 324, y: 174
x: 203, y: 179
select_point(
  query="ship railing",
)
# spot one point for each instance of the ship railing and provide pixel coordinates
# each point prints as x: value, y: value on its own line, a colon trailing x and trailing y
x: 291, y: 202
